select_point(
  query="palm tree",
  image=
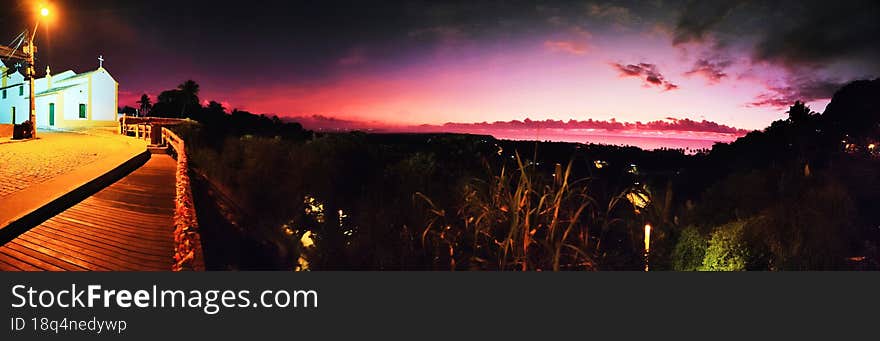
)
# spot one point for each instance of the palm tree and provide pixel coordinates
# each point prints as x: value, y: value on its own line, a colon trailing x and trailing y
x: 799, y: 112
x: 146, y: 104
x: 189, y: 92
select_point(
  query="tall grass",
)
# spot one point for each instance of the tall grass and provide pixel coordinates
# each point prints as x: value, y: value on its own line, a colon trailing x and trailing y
x: 520, y: 220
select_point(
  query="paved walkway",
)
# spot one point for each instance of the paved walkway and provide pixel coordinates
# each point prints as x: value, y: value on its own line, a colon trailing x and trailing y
x: 23, y: 164
x: 126, y: 226
x: 40, y: 172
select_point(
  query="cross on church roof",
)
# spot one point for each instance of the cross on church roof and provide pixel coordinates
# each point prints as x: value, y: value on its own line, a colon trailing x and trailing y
x: 101, y: 61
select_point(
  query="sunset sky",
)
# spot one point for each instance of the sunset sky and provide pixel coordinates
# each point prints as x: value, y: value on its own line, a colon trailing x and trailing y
x: 738, y: 63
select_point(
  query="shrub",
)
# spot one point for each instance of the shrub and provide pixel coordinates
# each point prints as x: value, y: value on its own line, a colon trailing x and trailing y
x: 727, y: 249
x: 689, y: 250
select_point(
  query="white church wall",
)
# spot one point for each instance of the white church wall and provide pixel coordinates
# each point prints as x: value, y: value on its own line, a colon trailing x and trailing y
x: 42, y: 105
x: 19, y: 102
x: 103, y: 96
x: 73, y: 97
x: 14, y: 78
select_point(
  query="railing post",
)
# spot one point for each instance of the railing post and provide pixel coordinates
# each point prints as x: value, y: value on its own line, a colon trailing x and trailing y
x: 155, y: 135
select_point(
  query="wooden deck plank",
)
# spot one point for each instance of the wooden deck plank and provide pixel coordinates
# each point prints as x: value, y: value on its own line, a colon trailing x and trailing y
x: 56, y: 257
x: 114, y: 214
x: 5, y: 265
x: 108, y: 250
x: 126, y: 226
x: 79, y: 250
x: 143, y: 211
x: 17, y: 264
x: 11, y: 250
x: 121, y: 227
x: 110, y: 236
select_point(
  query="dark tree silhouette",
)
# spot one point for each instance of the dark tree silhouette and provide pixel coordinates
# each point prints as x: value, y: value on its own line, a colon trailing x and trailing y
x: 855, y: 111
x: 128, y: 111
x: 799, y: 112
x: 181, y: 102
x: 189, y: 92
x: 214, y: 107
x: 145, y: 104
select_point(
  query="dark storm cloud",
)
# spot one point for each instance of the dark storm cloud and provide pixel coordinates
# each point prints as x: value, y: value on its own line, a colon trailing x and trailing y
x: 814, y: 33
x: 808, y: 39
x: 712, y: 70
x: 308, y: 39
x: 700, y: 17
x: 788, y: 33
x: 647, y: 72
x: 804, y: 90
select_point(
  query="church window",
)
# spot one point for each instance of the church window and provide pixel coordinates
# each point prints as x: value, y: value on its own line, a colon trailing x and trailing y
x: 21, y: 90
x: 82, y: 111
x: 4, y: 93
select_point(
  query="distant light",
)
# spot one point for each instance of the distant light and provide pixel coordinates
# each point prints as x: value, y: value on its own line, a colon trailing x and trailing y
x: 306, y: 239
x: 633, y: 169
x: 44, y: 12
x: 871, y: 146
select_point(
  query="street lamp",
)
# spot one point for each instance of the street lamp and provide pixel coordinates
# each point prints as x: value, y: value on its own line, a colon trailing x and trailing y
x: 647, y: 244
x: 31, y: 50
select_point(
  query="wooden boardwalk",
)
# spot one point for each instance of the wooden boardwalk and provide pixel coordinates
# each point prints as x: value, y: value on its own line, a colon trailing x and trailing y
x: 125, y: 226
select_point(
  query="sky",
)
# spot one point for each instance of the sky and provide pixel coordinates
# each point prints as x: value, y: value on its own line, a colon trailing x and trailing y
x: 736, y: 63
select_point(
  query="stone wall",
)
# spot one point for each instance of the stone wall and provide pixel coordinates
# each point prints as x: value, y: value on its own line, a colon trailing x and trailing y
x: 188, y: 254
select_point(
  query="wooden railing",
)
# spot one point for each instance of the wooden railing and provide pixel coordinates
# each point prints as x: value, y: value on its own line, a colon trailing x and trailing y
x: 142, y: 127
x: 188, y: 254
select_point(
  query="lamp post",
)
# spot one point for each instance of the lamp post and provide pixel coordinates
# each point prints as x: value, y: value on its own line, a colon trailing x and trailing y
x: 31, y: 72
x: 647, y: 244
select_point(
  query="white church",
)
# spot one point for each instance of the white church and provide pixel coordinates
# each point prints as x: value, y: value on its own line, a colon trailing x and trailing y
x: 65, y: 100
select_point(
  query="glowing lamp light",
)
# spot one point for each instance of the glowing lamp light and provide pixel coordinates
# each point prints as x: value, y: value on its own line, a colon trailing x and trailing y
x: 44, y: 12
x: 307, y: 240
x: 647, y: 245
x: 638, y: 199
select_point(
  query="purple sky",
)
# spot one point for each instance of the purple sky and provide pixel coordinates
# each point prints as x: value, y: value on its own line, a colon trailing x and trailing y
x: 739, y: 63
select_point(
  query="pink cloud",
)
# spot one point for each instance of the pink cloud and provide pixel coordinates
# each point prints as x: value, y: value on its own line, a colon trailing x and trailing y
x: 670, y: 124
x: 803, y: 89
x: 713, y: 71
x: 648, y: 72
x: 575, y: 48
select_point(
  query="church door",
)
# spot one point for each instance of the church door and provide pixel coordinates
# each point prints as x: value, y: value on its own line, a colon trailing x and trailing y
x: 51, y: 114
